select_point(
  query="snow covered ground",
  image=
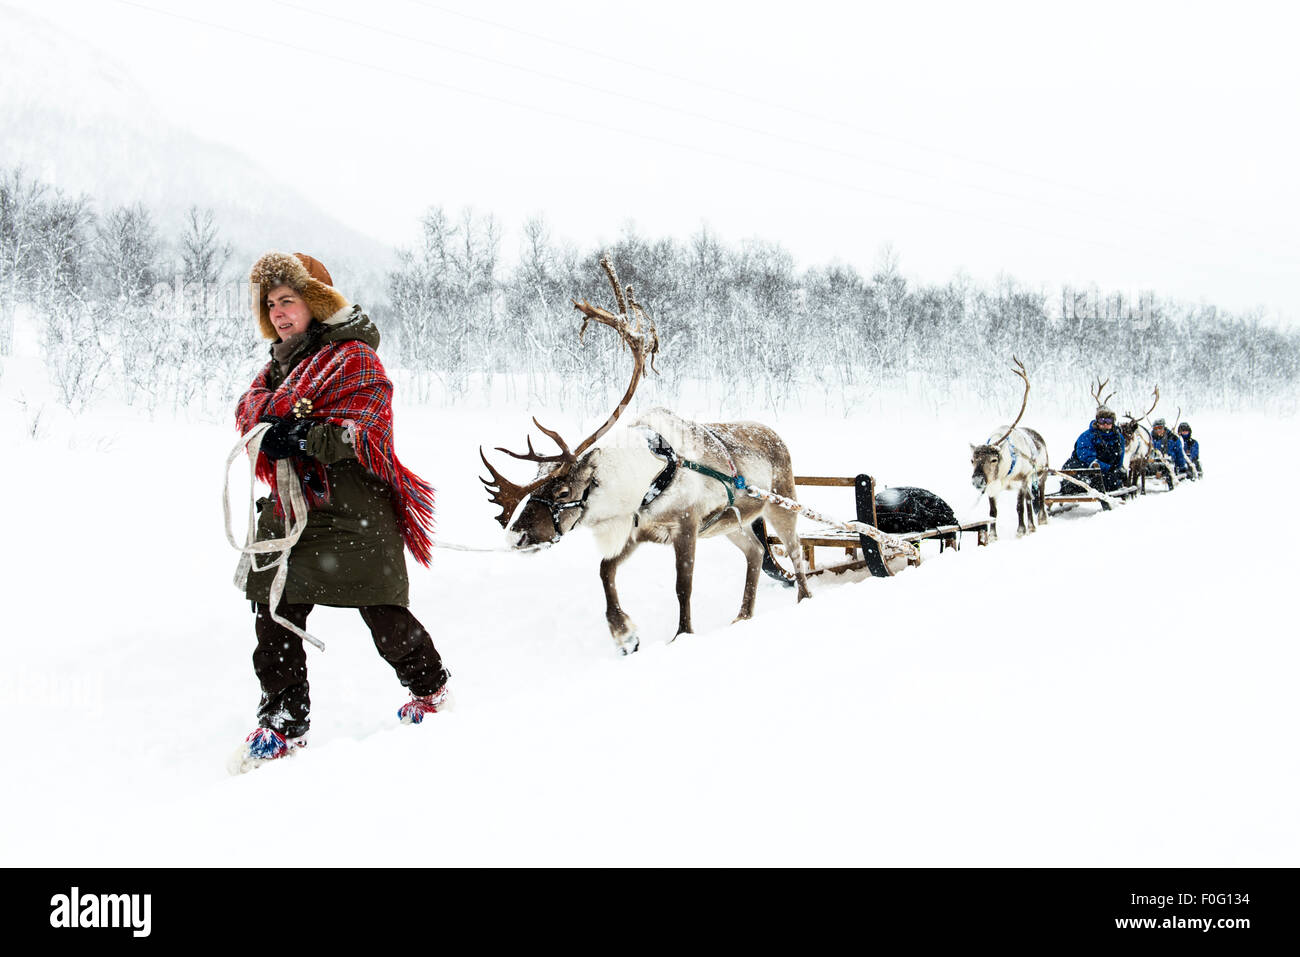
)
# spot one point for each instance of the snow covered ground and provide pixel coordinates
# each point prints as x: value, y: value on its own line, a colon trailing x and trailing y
x: 1115, y: 690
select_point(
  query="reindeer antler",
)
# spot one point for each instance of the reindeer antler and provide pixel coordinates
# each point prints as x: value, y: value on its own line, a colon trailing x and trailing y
x: 641, y: 338
x: 503, y: 492
x: 1156, y: 393
x: 1101, y: 387
x: 1019, y: 370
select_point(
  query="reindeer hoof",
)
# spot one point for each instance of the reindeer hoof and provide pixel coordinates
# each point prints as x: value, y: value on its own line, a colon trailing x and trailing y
x: 626, y: 644
x: 680, y: 633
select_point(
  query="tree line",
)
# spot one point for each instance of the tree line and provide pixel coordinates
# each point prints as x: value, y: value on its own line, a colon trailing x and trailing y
x: 115, y: 312
x: 163, y: 321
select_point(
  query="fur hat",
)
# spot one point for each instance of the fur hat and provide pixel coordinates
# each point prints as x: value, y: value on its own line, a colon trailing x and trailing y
x: 1104, y: 413
x: 1158, y: 424
x: 301, y: 273
x: 1184, y: 427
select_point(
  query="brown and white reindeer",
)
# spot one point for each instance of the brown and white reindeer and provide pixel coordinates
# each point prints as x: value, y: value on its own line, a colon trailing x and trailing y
x: 1013, y: 457
x: 660, y: 478
x: 1137, y: 443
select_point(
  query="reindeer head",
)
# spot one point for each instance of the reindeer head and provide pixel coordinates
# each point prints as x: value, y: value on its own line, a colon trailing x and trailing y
x: 557, y: 497
x: 987, y: 459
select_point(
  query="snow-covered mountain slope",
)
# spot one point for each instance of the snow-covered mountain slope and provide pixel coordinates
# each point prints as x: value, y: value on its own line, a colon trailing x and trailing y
x: 1113, y: 690
x: 74, y: 118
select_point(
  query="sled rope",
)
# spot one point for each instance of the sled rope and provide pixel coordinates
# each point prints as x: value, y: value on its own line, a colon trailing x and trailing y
x: 890, y: 547
x: 295, y: 514
x: 1084, y: 485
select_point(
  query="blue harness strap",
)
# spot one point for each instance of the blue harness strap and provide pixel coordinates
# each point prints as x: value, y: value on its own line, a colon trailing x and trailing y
x: 1011, y: 445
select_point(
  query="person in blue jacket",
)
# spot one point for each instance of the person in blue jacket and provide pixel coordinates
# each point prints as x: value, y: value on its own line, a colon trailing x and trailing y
x: 1162, y: 440
x: 1191, y: 448
x: 1102, y: 445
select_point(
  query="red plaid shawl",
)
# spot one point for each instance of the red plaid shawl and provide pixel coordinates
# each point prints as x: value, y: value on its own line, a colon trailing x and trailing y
x: 345, y: 381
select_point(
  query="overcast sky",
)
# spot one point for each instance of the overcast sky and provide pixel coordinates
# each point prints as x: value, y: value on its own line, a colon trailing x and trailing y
x: 1147, y: 148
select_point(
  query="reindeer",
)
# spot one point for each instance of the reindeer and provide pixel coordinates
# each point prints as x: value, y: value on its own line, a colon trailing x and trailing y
x: 1137, y: 444
x: 1022, y: 461
x: 659, y: 479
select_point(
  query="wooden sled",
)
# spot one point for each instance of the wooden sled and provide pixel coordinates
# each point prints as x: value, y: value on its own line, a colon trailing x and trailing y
x: 859, y: 552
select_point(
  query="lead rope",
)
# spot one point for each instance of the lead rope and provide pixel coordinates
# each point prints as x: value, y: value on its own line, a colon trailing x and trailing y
x: 452, y: 546
x: 295, y: 513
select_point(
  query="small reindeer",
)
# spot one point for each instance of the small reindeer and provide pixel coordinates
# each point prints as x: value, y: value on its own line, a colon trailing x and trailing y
x: 651, y: 483
x: 1017, y: 457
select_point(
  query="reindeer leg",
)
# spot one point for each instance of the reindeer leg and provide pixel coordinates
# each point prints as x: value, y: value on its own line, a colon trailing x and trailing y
x: 1040, y: 502
x: 784, y: 522
x: 747, y: 543
x: 621, y: 628
x: 993, y: 514
x: 1021, y: 508
x: 684, y: 547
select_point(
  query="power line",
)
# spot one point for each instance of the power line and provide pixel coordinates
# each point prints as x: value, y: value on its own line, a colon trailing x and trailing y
x: 708, y: 118
x: 280, y: 43
x: 623, y: 62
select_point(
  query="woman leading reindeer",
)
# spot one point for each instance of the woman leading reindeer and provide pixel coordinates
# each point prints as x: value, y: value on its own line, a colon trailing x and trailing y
x: 329, y: 446
x: 1013, y: 457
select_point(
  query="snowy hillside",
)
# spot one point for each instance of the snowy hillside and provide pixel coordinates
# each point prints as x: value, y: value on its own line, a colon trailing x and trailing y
x: 1114, y: 690
x: 89, y: 127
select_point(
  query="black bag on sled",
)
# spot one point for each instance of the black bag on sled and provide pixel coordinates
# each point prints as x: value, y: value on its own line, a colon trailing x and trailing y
x: 903, y: 509
x: 899, y: 510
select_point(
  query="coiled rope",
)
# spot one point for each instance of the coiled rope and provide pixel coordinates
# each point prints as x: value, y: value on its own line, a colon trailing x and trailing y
x: 295, y: 513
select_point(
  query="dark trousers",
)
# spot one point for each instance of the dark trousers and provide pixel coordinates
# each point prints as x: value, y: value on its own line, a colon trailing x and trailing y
x: 280, y: 661
x: 1108, y: 481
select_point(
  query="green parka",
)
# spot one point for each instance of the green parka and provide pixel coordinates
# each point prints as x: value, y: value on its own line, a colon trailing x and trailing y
x: 351, y: 553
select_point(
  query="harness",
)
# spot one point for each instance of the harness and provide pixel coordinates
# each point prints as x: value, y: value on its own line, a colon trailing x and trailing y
x: 660, y: 448
x: 559, y: 508
x: 1011, y: 445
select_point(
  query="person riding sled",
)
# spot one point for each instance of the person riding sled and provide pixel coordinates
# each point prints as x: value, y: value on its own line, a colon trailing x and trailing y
x: 1171, y: 446
x: 1101, y: 447
x: 328, y: 401
x: 1191, y: 448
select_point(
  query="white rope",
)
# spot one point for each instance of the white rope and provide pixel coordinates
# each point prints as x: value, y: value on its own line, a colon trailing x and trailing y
x: 1096, y: 493
x: 890, y: 546
x: 506, y: 548
x: 295, y: 510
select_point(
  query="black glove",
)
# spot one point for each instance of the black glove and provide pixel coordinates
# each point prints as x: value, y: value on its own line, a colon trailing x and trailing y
x: 286, y: 436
